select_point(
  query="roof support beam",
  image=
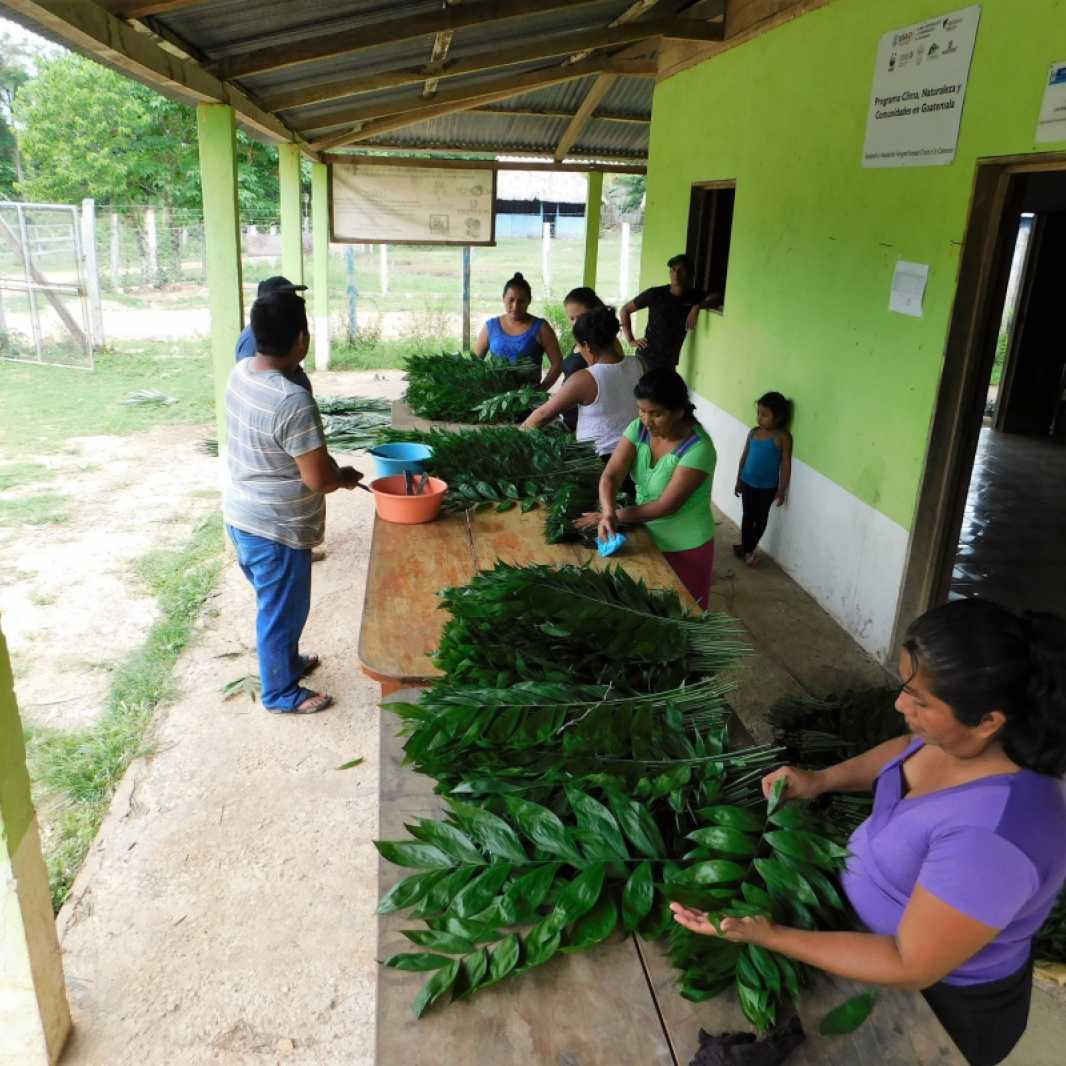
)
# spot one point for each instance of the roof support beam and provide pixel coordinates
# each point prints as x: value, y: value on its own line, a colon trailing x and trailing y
x: 391, y: 31
x: 441, y: 44
x: 525, y: 112
x: 636, y: 167
x: 139, y: 9
x: 600, y: 87
x: 496, y: 88
x: 87, y: 28
x: 545, y: 48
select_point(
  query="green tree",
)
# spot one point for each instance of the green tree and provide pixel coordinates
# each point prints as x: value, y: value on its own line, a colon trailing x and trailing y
x: 16, y: 66
x: 626, y: 191
x: 85, y: 130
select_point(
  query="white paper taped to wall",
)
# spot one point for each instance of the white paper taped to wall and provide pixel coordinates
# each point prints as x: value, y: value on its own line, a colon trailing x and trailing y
x: 374, y: 204
x: 908, y: 288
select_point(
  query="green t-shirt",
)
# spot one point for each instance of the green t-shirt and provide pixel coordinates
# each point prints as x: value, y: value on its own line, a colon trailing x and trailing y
x: 693, y: 525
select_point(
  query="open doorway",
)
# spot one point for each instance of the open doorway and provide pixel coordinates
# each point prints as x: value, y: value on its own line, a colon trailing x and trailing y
x: 992, y: 509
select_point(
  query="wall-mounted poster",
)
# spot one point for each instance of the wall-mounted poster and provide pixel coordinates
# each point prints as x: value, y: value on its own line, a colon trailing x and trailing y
x: 918, y: 92
x: 377, y: 204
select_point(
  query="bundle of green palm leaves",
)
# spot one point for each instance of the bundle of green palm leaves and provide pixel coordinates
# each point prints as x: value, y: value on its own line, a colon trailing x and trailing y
x: 449, y: 387
x: 504, y: 467
x: 579, y: 739
x: 513, y: 406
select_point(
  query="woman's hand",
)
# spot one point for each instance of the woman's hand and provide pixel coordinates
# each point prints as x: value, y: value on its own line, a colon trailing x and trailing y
x: 608, y: 526
x: 802, y: 784
x: 740, y: 930
x: 737, y: 490
x: 588, y: 520
x: 782, y: 496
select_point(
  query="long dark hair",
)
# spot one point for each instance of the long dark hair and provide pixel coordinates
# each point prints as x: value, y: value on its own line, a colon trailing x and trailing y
x: 516, y: 281
x: 584, y: 295
x: 980, y: 657
x: 598, y: 329
x: 778, y: 406
x: 666, y: 388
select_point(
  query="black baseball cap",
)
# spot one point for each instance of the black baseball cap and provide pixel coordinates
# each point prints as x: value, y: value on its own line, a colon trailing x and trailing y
x: 278, y: 284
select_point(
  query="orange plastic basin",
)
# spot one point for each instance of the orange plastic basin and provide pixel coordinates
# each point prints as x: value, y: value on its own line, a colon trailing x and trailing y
x: 393, y: 505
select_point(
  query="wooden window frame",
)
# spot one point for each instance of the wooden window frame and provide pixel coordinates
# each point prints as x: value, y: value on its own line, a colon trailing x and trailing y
x: 709, y: 227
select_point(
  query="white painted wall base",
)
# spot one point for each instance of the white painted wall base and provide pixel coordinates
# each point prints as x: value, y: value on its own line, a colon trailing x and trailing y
x: 846, y: 554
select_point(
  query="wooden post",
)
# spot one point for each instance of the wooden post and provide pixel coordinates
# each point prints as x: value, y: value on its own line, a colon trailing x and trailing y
x: 92, y: 270
x: 217, y: 135
x: 320, y: 254
x: 351, y: 292
x: 34, y: 1016
x: 623, y: 265
x: 383, y: 253
x: 466, y: 299
x: 593, y: 200
x: 292, y: 248
x: 151, y: 246
x: 116, y: 254
x: 546, y: 257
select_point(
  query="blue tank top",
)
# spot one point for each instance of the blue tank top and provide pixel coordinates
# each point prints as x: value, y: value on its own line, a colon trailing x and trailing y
x: 763, y: 464
x: 525, y: 348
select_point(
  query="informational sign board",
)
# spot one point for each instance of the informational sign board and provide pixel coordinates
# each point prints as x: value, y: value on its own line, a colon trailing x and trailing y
x: 1051, y: 125
x: 918, y: 91
x: 377, y: 204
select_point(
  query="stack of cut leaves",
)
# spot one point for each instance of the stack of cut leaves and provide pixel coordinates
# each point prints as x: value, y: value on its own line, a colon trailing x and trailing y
x: 578, y: 739
x: 504, y: 467
x: 818, y: 733
x: 513, y: 406
x: 353, y: 423
x: 449, y: 388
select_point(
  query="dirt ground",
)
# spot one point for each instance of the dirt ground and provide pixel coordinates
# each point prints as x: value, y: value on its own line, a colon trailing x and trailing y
x: 226, y: 911
x: 61, y: 583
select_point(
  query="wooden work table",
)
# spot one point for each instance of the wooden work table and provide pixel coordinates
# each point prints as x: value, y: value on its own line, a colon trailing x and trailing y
x: 617, y: 1003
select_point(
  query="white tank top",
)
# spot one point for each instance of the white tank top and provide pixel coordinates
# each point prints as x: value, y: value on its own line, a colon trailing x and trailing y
x: 603, y: 421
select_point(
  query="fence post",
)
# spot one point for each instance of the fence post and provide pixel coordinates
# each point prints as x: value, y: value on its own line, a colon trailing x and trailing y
x: 92, y: 270
x: 623, y: 265
x: 383, y: 253
x: 546, y: 258
x: 351, y: 292
x: 593, y: 199
x: 151, y: 244
x: 465, y: 316
x: 116, y: 253
x: 320, y: 262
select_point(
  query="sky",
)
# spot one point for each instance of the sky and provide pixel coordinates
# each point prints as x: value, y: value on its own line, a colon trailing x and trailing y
x: 14, y: 32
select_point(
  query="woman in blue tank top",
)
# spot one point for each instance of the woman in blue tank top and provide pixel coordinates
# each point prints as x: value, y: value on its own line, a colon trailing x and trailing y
x: 518, y: 337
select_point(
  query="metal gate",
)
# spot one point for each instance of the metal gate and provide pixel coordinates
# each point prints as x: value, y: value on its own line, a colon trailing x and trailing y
x: 44, y: 302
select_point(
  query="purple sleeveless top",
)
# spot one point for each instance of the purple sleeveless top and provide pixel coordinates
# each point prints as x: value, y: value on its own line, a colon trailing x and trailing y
x: 994, y: 849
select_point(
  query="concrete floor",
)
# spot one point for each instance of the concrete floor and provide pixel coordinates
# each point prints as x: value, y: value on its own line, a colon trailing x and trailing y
x: 226, y: 913
x: 1012, y: 546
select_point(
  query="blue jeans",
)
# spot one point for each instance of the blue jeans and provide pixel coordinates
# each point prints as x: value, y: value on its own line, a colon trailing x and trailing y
x: 281, y: 577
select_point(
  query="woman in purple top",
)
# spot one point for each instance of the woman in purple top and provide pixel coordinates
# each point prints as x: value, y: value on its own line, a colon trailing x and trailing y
x: 964, y: 854
x: 518, y: 337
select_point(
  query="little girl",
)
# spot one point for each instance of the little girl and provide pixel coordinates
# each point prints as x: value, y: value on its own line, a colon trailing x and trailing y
x: 764, y: 472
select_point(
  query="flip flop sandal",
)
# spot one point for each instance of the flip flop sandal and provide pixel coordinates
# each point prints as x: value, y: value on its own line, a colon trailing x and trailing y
x: 310, y: 703
x: 309, y: 664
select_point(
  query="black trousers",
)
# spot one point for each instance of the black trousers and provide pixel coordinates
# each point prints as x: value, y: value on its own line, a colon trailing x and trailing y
x: 757, y: 504
x: 985, y: 1021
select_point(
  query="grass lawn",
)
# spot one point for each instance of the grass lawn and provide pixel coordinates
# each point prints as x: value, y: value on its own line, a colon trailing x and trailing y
x: 41, y: 407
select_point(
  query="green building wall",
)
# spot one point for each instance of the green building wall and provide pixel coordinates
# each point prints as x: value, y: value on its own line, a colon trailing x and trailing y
x: 814, y: 243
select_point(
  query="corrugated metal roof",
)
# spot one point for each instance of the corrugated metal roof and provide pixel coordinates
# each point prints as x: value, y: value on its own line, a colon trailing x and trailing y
x: 225, y: 29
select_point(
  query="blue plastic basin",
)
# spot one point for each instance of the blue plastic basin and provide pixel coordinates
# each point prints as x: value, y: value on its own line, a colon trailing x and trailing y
x: 392, y: 459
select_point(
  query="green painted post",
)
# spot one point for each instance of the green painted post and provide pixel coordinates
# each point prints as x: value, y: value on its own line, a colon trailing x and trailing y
x: 592, y: 226
x: 320, y: 275
x: 217, y: 132
x: 34, y: 1016
x: 292, y: 241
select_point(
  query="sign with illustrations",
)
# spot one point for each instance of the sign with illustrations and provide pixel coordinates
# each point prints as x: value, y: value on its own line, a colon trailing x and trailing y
x: 918, y: 91
x: 378, y: 204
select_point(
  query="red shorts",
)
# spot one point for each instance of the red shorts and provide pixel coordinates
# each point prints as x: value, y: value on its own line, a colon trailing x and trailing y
x: 695, y: 567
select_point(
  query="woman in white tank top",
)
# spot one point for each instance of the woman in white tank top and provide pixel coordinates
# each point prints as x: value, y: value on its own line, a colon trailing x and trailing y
x: 603, y: 394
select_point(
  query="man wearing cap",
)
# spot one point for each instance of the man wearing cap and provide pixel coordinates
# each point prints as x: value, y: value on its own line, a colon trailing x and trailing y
x: 274, y: 502
x: 246, y: 340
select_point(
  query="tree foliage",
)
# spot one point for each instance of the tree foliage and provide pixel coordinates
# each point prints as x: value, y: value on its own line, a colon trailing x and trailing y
x: 85, y: 130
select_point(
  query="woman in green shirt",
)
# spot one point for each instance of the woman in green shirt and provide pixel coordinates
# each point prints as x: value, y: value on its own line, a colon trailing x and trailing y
x: 671, y: 458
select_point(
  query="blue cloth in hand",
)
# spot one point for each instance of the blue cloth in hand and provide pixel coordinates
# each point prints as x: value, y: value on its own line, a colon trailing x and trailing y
x: 611, y: 544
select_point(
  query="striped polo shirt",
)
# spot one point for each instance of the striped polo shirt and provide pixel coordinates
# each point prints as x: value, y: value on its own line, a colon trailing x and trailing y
x: 269, y: 421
